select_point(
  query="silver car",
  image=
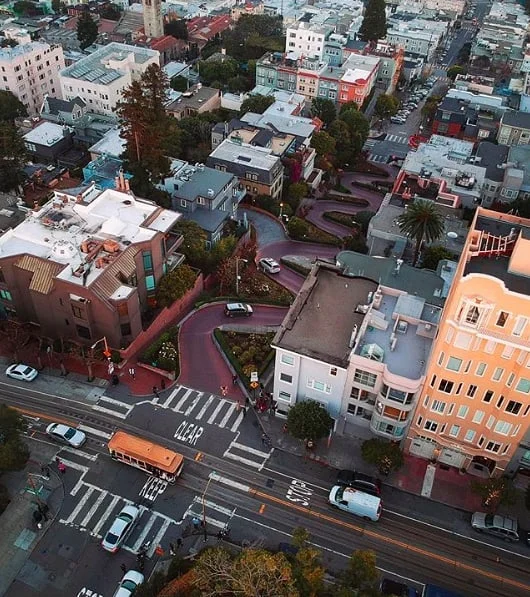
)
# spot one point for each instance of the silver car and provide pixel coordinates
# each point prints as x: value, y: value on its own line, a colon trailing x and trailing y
x: 122, y: 526
x: 22, y: 372
x: 495, y: 524
x: 68, y: 435
x: 269, y: 265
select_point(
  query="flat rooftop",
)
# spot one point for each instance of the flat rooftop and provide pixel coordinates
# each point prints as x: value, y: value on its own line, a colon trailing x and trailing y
x: 245, y: 155
x: 321, y: 319
x: 84, y: 230
x: 46, y: 133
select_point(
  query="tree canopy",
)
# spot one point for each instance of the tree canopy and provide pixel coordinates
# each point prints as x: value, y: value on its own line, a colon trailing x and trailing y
x: 323, y: 143
x: 422, y: 221
x: 177, y: 29
x: 174, y: 285
x: 385, y: 455
x: 13, y: 451
x: 373, y: 26
x: 433, y: 254
x: 10, y: 107
x: 12, y: 156
x: 309, y: 420
x: 87, y: 30
x: 386, y: 106
x: 218, y: 70
x: 253, y: 35
x: 256, y: 103
x: 324, y: 109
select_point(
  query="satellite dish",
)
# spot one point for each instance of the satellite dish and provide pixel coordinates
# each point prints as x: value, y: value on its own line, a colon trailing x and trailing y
x: 452, y: 235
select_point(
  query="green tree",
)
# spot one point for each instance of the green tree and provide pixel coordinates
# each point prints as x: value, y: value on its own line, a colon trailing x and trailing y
x: 174, y: 285
x: 355, y: 242
x: 296, y: 192
x: 218, y: 70
x: 297, y: 228
x: 358, y: 126
x: 430, y: 106
x: 373, y: 26
x: 433, y: 254
x: 387, y: 456
x: 179, y: 83
x: 495, y: 492
x: 58, y: 7
x: 323, y: 143
x: 422, y: 221
x: 112, y: 12
x: 324, y: 109
x: 177, y: 29
x: 361, y: 572
x: 386, y: 106
x: 256, y: 103
x: 27, y: 9
x: 309, y: 420
x: 253, y: 35
x: 13, y: 451
x: 12, y: 157
x: 194, y: 243
x: 362, y: 219
x: 454, y: 70
x: 87, y: 30
x: 238, y: 84
x: 10, y: 107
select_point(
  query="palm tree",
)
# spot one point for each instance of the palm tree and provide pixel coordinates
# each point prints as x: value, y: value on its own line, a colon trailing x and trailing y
x: 421, y: 221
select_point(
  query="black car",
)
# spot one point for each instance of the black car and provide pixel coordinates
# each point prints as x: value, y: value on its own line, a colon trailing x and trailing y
x: 397, y: 589
x: 360, y: 481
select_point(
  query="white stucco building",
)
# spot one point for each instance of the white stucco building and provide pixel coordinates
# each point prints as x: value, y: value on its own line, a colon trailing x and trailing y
x: 306, y: 39
x: 31, y: 71
x: 100, y: 78
x: 357, y: 339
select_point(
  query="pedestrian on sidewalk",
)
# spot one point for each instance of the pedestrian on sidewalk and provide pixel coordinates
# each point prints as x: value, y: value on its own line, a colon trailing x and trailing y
x: 155, y: 392
x: 163, y: 383
x: 244, y: 411
x: 172, y: 550
x: 45, y: 471
x: 234, y: 379
x: 123, y: 568
x: 179, y: 543
x: 196, y: 523
x: 62, y: 468
x: 132, y: 373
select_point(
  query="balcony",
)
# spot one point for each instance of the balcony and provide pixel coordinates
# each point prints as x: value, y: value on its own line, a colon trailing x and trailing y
x: 173, y: 242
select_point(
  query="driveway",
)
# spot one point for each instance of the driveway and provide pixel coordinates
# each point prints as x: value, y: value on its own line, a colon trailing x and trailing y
x: 202, y: 366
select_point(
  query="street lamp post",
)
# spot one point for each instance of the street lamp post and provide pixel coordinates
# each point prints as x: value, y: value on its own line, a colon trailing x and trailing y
x: 204, y: 508
x: 238, y: 259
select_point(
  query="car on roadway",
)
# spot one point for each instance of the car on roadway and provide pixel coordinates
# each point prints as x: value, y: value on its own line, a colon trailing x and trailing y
x: 129, y: 583
x: 238, y: 310
x: 495, y: 524
x: 397, y: 589
x: 359, y: 481
x: 120, y: 529
x: 21, y: 372
x: 269, y: 265
x: 68, y: 435
x: 397, y: 120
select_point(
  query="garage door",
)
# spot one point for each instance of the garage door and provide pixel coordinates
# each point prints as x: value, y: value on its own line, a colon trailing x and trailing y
x: 422, y: 447
x: 452, y: 457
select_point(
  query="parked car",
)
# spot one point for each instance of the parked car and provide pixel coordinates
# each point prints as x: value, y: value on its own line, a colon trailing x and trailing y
x: 359, y: 481
x: 397, y: 589
x: 21, y: 372
x: 268, y: 265
x: 495, y: 524
x: 68, y: 435
x: 397, y: 120
x: 121, y: 527
x: 356, y: 502
x: 238, y: 310
x: 129, y: 583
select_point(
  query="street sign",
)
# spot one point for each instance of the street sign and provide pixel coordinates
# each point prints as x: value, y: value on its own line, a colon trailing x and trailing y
x: 254, y: 376
x: 254, y: 384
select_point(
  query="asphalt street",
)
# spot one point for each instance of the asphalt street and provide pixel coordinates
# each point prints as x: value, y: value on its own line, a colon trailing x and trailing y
x: 231, y: 478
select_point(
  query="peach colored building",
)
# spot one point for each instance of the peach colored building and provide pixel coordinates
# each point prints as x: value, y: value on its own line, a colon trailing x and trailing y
x: 473, y: 412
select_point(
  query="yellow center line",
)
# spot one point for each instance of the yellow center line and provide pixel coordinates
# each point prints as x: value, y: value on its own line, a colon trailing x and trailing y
x: 55, y: 419
x: 390, y: 540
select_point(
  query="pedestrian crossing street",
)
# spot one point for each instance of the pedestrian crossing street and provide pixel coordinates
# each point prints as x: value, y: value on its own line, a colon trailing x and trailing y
x: 397, y: 138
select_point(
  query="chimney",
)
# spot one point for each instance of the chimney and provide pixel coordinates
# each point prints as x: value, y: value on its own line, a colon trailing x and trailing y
x: 120, y: 182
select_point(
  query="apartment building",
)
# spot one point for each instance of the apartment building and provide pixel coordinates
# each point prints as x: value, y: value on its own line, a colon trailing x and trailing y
x: 260, y: 172
x: 473, y: 411
x: 31, y: 72
x: 305, y: 39
x: 100, y: 78
x: 419, y: 37
x: 514, y: 128
x: 87, y: 263
x: 357, y: 339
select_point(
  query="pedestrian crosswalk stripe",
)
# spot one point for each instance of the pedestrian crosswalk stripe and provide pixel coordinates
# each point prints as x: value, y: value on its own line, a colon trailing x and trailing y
x: 234, y: 447
x: 145, y: 531
x: 193, y: 404
x: 237, y: 422
x: 81, y: 453
x: 204, y: 408
x: 181, y: 401
x: 106, y: 514
x: 216, y: 411
x: 108, y: 411
x: 80, y: 505
x: 214, y: 506
x: 168, y: 400
x: 227, y: 416
x: 93, y: 431
x: 250, y: 450
x: 158, y: 537
x: 92, y: 510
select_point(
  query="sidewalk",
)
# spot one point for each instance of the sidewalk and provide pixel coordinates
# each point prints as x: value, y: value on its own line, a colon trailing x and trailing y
x: 19, y: 535
x: 449, y: 486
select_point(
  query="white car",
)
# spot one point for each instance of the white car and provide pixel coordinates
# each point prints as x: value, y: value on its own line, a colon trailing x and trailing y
x: 129, y: 583
x: 269, y: 266
x: 66, y: 434
x: 121, y: 527
x: 21, y: 372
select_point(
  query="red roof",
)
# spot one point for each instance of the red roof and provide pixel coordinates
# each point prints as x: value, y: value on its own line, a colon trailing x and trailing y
x: 209, y: 27
x: 167, y: 42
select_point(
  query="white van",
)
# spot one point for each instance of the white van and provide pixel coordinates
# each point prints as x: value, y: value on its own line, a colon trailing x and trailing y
x: 356, y: 502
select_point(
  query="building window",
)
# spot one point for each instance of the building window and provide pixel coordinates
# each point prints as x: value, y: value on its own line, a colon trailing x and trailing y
x: 507, y: 352
x: 502, y: 319
x: 491, y: 420
x: 472, y: 315
x: 83, y: 332
x: 523, y: 385
x: 148, y: 260
x: 462, y: 412
x: 150, y: 283
x: 285, y: 377
x: 454, y: 431
x: 5, y: 295
x: 513, y: 407
x: 438, y: 406
x: 503, y: 427
x: 78, y: 312
x: 365, y: 378
x: 499, y: 371
x: 431, y: 426
x: 481, y: 369
x: 469, y: 436
x: 490, y: 346
x: 492, y: 447
x: 284, y: 396
x: 125, y: 329
x: 454, y: 364
x: 433, y: 381
x: 446, y: 386
x: 333, y: 371
x: 287, y: 359
x: 500, y: 401
x: 481, y: 441
x: 520, y: 324
x: 488, y: 395
x: 478, y: 416
x: 318, y: 385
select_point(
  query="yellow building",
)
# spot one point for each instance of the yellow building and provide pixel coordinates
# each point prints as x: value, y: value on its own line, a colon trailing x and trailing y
x: 473, y: 412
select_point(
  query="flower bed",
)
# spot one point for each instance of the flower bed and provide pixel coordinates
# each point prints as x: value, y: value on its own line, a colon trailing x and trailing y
x: 305, y: 231
x: 163, y: 353
x: 345, y: 199
x: 347, y: 220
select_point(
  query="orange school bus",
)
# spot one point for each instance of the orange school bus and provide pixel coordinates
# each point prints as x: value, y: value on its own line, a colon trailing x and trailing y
x: 145, y: 455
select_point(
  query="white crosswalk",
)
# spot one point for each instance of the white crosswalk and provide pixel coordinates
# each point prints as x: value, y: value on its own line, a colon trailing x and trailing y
x: 202, y: 406
x: 214, y: 514
x: 247, y: 455
x: 113, y: 407
x: 377, y: 158
x: 369, y: 143
x: 96, y: 509
x: 397, y: 138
